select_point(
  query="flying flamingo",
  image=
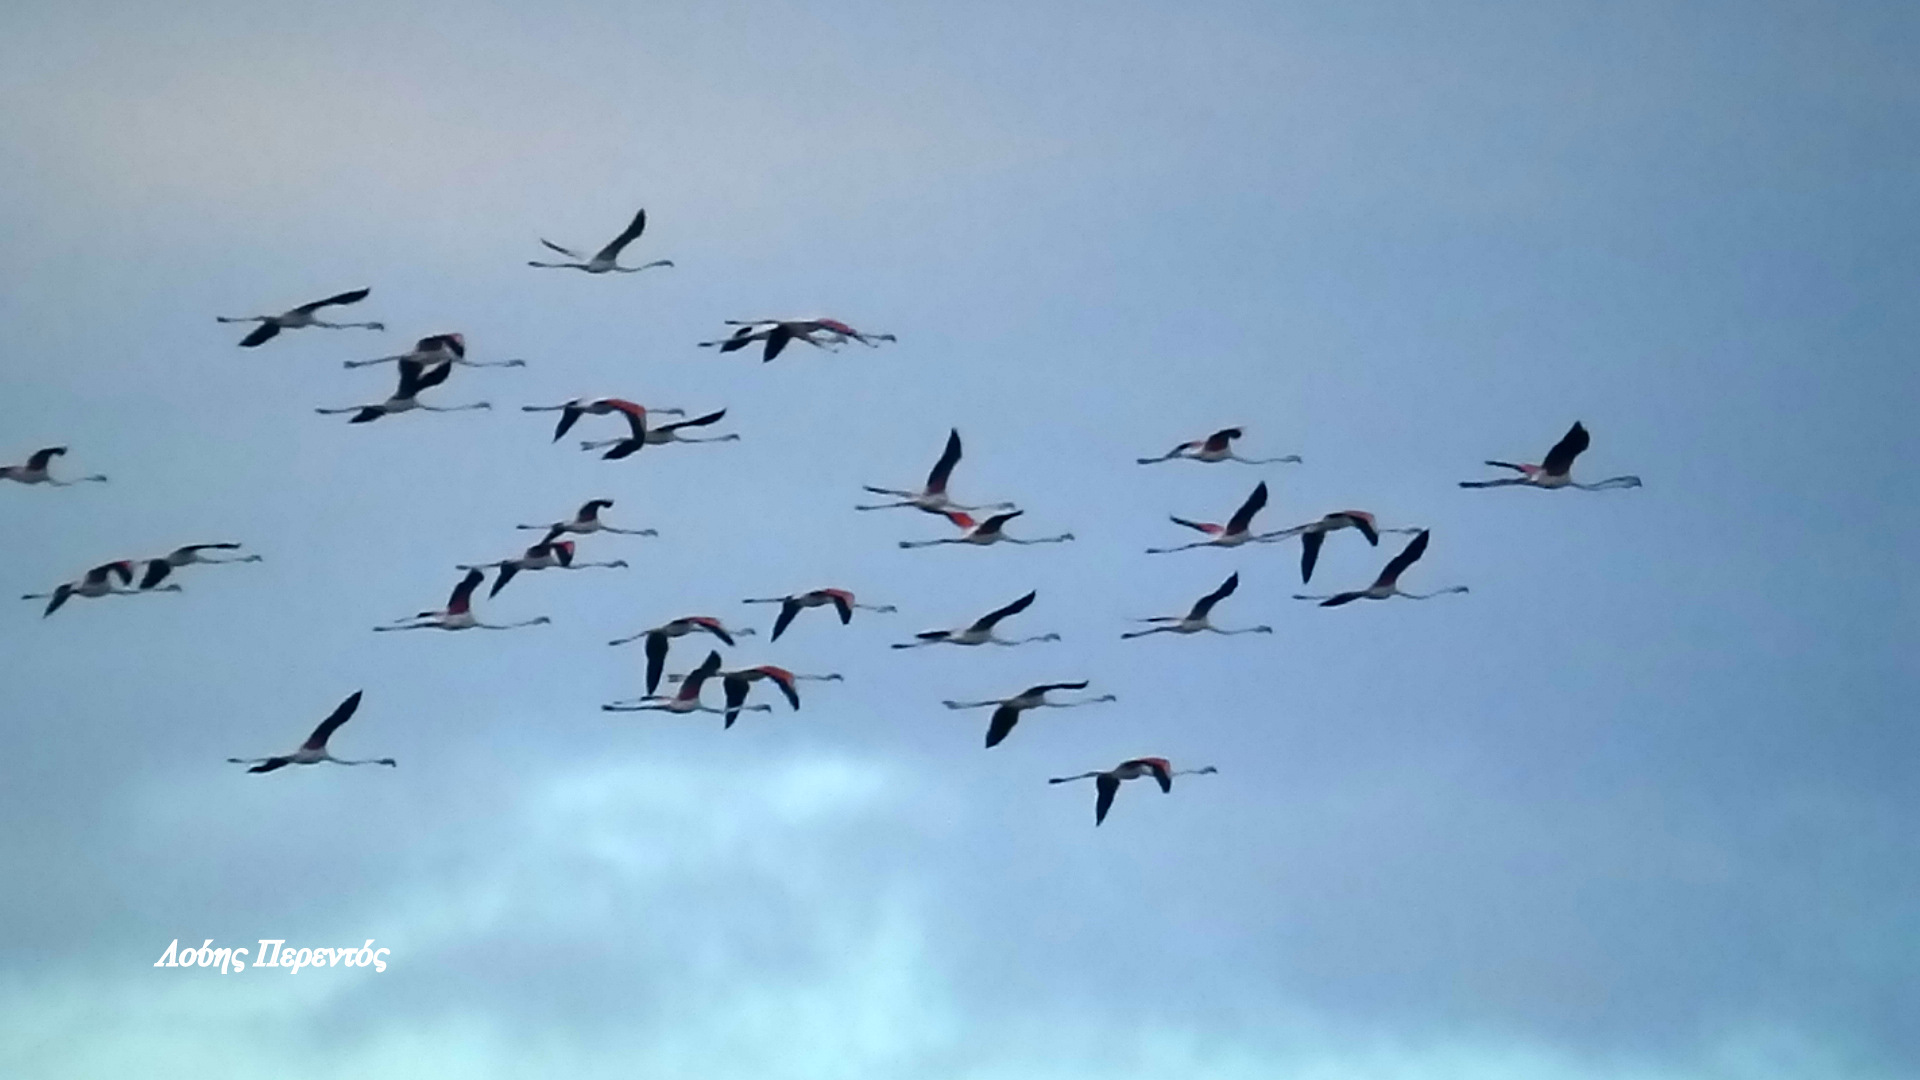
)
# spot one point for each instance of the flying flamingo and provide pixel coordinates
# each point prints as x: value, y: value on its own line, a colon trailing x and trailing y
x: 980, y: 632
x: 933, y: 497
x: 644, y: 435
x: 841, y: 599
x: 607, y: 258
x: 1557, y: 470
x: 314, y: 750
x: 571, y: 411
x: 36, y: 470
x: 545, y: 555
x: 414, y: 377
x: 1006, y: 711
x: 1314, y: 533
x: 587, y: 520
x: 190, y: 555
x: 97, y: 582
x: 438, y: 349
x: 1217, y: 447
x: 738, y: 683
x: 1195, y: 620
x: 299, y: 318
x: 687, y: 699
x: 1387, y: 585
x: 982, y: 533
x: 1233, y: 533
x: 660, y: 637
x: 458, y: 614
x: 818, y: 332
x: 1106, y: 783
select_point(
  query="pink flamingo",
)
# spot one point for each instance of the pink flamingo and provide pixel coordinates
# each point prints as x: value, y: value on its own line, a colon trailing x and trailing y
x: 1006, y: 711
x: 819, y: 332
x: 982, y: 533
x: 660, y: 638
x: 933, y: 497
x: 37, y: 471
x: 458, y: 614
x: 314, y: 750
x: 1216, y: 447
x: 1557, y: 470
x: 605, y: 260
x: 299, y: 318
x: 1387, y: 585
x: 790, y: 606
x: 1108, y: 782
x: 1233, y: 533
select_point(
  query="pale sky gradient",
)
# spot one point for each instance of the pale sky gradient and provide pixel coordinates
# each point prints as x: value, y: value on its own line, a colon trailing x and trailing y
x: 1641, y: 805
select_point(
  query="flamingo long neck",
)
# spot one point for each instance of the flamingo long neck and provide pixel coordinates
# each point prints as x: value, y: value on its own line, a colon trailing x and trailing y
x: 1611, y: 483
x: 1434, y: 593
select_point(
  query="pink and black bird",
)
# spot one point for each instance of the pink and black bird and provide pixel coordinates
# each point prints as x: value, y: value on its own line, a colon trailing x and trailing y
x: 1107, y: 783
x: 299, y: 318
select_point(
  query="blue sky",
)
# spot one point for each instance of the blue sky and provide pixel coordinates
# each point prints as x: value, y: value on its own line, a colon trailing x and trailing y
x: 1638, y: 806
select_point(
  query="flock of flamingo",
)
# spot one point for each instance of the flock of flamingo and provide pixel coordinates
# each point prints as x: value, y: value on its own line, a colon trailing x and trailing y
x: 432, y: 360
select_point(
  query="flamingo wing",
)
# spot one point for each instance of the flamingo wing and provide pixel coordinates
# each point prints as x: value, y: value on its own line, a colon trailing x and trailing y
x: 1218, y: 441
x: 462, y: 596
x: 99, y: 574
x: 38, y: 462
x: 1159, y: 768
x: 1559, y: 460
x: 698, y: 421
x: 1205, y: 603
x: 1104, y: 786
x: 783, y: 679
x: 433, y: 374
x: 690, y: 686
x: 788, y: 609
x: 340, y: 715
x: 260, y: 335
x: 568, y: 252
x: 187, y: 550
x: 736, y: 689
x: 412, y: 377
x: 1207, y: 527
x: 937, y: 479
x: 157, y: 571
x: 777, y: 339
x: 657, y: 644
x: 1310, y: 553
x: 740, y: 339
x: 60, y: 594
x: 352, y: 297
x: 636, y: 418
x: 1407, y: 557
x: 997, y: 521
x: 1001, y: 724
x: 633, y: 230
x: 451, y: 343
x: 842, y: 603
x: 987, y: 621
x: 1243, y: 517
x: 569, y: 416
